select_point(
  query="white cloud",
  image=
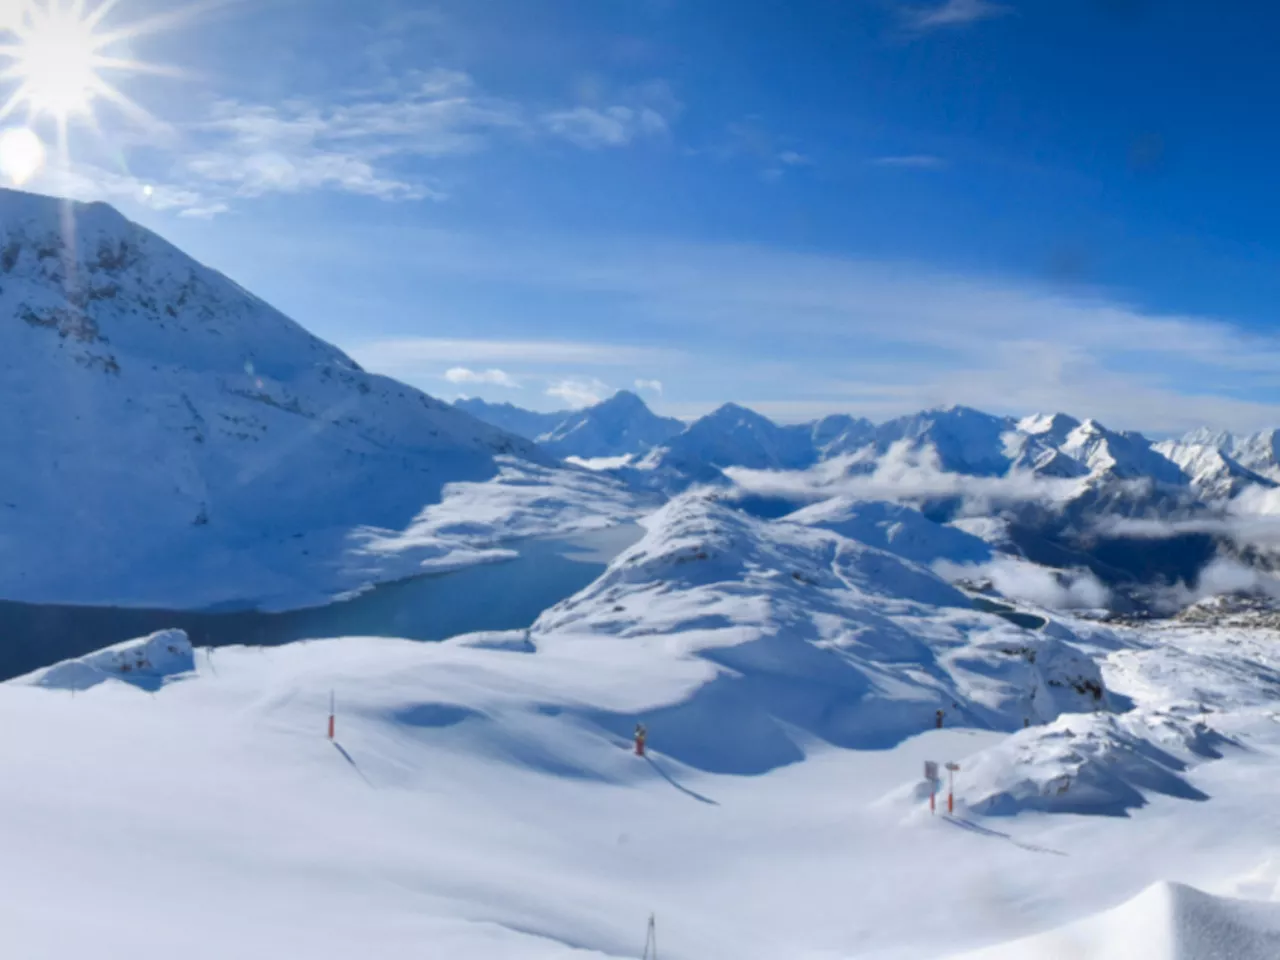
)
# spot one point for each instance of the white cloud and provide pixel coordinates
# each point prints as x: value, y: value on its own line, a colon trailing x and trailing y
x: 653, y: 386
x: 494, y: 377
x: 1020, y: 580
x: 912, y: 161
x: 906, y: 336
x: 577, y: 392
x: 907, y: 475
x: 369, y: 143
x: 952, y: 13
x: 616, y: 126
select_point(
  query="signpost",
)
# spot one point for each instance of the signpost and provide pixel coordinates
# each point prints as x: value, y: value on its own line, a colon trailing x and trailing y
x: 931, y: 774
x: 951, y: 786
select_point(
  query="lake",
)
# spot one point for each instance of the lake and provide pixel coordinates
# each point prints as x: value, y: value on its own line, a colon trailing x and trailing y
x: 494, y: 596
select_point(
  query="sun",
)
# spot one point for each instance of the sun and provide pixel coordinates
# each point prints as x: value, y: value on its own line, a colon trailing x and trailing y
x: 56, y: 62
x: 54, y: 53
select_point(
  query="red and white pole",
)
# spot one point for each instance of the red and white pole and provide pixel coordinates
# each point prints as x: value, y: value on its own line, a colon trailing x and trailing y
x: 331, y: 712
x: 951, y: 788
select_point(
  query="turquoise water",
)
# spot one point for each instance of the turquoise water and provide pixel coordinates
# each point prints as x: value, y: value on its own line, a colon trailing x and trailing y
x: 498, y: 596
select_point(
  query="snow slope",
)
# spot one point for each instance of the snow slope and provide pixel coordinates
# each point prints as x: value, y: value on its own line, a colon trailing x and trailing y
x: 182, y: 443
x: 801, y: 633
x: 1167, y: 921
x: 482, y: 801
x: 894, y: 527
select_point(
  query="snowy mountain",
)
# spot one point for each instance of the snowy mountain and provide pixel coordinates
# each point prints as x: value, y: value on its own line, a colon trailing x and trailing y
x: 505, y: 416
x: 966, y: 440
x: 1121, y: 455
x: 181, y: 442
x: 838, y: 435
x: 1259, y: 452
x: 619, y: 426
x: 1211, y: 472
x: 731, y: 436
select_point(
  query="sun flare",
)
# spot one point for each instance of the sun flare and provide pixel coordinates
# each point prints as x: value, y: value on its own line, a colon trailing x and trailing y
x: 21, y: 155
x: 56, y: 62
x: 54, y: 53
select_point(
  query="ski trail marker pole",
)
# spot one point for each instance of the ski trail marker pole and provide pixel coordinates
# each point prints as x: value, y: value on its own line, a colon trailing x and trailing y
x: 931, y: 774
x: 651, y: 939
x: 331, y: 711
x: 951, y: 786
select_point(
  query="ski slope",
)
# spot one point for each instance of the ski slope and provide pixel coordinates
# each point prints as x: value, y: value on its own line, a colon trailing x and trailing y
x: 482, y: 798
x: 468, y: 810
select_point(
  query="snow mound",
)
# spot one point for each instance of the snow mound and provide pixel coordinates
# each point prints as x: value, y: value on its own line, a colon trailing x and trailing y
x: 148, y: 662
x: 1167, y: 921
x: 801, y: 634
x: 896, y: 528
x: 472, y: 521
x: 1093, y: 764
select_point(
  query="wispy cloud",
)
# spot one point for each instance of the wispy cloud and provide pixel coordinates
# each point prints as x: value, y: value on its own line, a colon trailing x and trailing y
x: 371, y: 142
x: 911, y: 161
x: 952, y: 13
x: 653, y: 386
x: 411, y: 354
x: 579, y: 392
x: 893, y: 337
x: 750, y: 138
x: 593, y: 127
x: 493, y: 377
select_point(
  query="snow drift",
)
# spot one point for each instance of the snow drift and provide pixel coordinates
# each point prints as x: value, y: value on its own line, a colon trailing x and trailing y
x: 1167, y: 921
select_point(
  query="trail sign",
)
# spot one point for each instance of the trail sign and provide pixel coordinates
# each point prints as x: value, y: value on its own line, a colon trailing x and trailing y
x: 931, y: 771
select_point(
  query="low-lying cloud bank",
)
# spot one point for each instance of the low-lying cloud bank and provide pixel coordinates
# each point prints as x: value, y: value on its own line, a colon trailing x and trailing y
x: 904, y: 474
x: 1031, y: 583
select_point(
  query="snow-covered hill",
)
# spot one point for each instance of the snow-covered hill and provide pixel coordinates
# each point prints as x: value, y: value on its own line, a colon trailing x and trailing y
x: 175, y: 440
x: 801, y: 629
x: 616, y: 427
x: 482, y: 795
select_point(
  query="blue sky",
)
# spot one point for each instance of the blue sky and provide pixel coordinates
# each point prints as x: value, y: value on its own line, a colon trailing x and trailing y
x: 868, y: 206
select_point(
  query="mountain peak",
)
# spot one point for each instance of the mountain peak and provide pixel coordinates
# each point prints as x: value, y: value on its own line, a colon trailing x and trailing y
x: 621, y: 425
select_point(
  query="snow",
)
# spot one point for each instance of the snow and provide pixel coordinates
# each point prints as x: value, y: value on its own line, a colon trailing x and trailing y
x: 1126, y: 455
x: 894, y: 527
x: 480, y: 522
x: 965, y: 440
x: 1167, y: 921
x: 1212, y: 473
x: 481, y: 798
x: 472, y: 805
x: 621, y: 425
x: 184, y: 444
x: 149, y: 662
